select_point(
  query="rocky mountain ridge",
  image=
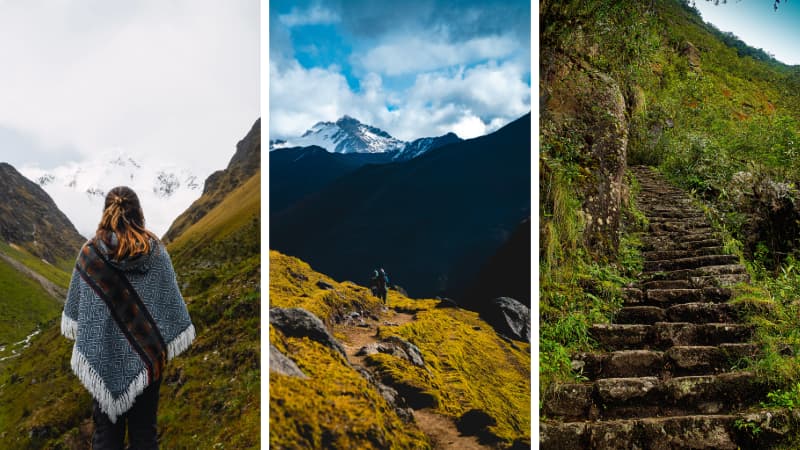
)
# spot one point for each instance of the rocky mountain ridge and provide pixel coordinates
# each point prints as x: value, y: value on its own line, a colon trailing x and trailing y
x: 348, y: 135
x: 29, y: 218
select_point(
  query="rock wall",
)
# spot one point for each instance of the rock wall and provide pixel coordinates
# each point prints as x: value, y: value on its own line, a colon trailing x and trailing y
x: 588, y: 107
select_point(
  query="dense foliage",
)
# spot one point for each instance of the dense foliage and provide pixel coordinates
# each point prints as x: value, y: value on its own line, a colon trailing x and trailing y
x: 715, y: 116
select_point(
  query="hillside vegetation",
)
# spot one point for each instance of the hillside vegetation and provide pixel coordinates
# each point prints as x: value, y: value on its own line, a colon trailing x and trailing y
x: 718, y: 119
x: 24, y: 304
x: 467, y: 366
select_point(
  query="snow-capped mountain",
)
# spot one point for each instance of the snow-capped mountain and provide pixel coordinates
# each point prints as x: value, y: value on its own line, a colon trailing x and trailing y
x: 348, y: 135
x: 79, y: 189
x: 423, y: 145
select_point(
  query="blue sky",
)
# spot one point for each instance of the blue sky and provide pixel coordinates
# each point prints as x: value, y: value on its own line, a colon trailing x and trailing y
x: 413, y: 68
x: 758, y: 24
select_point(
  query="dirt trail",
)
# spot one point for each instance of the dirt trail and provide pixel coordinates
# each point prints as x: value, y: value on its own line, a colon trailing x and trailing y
x: 440, y: 429
x: 57, y: 292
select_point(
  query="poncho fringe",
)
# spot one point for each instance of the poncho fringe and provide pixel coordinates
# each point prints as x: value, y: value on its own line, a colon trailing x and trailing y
x: 95, y: 385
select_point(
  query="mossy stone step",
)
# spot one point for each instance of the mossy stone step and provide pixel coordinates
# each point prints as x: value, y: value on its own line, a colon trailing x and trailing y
x: 667, y: 297
x: 618, y: 398
x: 682, y: 216
x: 644, y: 315
x: 689, y: 263
x: 690, y: 274
x: 675, y: 361
x: 703, y: 312
x: 663, y: 335
x: 667, y: 284
x: 721, y: 280
x: 656, y: 255
x: 718, y: 431
x: 662, y: 237
x: 679, y: 227
x: 668, y: 244
x: 696, y: 312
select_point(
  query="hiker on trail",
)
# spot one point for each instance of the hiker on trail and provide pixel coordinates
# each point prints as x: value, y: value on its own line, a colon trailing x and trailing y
x: 127, y: 316
x: 380, y: 284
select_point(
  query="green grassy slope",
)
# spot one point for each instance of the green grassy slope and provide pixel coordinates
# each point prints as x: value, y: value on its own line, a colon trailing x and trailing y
x: 210, y: 394
x: 23, y: 305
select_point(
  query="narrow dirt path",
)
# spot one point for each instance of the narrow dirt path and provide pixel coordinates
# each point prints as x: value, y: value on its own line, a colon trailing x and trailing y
x: 440, y: 429
x: 57, y: 292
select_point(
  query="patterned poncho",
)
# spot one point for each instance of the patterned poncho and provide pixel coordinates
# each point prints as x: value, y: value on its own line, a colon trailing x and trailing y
x: 103, y: 358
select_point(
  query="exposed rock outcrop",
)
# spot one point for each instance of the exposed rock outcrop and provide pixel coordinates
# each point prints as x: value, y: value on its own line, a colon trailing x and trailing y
x: 280, y: 363
x: 297, y: 322
x: 587, y: 106
x: 510, y: 318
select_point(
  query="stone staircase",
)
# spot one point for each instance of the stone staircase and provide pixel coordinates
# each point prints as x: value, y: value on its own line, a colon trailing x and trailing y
x: 666, y: 374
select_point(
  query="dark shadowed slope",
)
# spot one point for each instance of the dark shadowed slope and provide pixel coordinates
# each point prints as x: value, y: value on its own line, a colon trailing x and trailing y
x: 432, y: 222
x: 296, y: 172
x: 506, y: 274
x: 30, y: 219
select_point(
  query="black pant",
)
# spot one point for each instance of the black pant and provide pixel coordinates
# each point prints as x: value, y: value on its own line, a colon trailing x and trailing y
x: 141, y: 421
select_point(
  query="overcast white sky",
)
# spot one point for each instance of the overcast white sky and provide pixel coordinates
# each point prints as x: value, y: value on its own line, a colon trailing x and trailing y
x: 172, y: 83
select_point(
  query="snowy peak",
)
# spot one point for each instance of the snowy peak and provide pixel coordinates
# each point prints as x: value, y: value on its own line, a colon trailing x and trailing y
x: 423, y: 145
x: 349, y: 135
x: 346, y: 135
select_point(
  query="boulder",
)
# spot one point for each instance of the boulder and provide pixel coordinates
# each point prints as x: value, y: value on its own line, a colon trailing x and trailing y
x: 397, y: 347
x: 297, y: 322
x: 280, y: 363
x: 324, y: 285
x: 509, y: 318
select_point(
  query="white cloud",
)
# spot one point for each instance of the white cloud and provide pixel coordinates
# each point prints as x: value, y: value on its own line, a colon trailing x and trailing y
x: 175, y: 83
x: 315, y: 15
x: 176, y: 80
x: 411, y: 54
x: 468, y: 101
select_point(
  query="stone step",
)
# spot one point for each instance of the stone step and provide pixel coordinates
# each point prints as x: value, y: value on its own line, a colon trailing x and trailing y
x: 662, y: 335
x: 720, y: 280
x: 718, y: 431
x: 656, y: 255
x: 677, y: 237
x: 675, y: 361
x: 668, y: 244
x: 702, y: 312
x: 670, y: 217
x: 623, y: 398
x: 667, y: 297
x: 680, y: 227
x: 690, y: 274
x: 689, y: 263
x: 697, y: 312
x: 667, y: 284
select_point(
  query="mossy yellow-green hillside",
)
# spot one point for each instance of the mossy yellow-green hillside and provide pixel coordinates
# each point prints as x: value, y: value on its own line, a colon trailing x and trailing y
x: 471, y: 367
x: 239, y: 207
x: 468, y: 367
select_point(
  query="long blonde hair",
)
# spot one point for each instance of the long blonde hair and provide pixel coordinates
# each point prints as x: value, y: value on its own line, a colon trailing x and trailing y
x: 123, y: 216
